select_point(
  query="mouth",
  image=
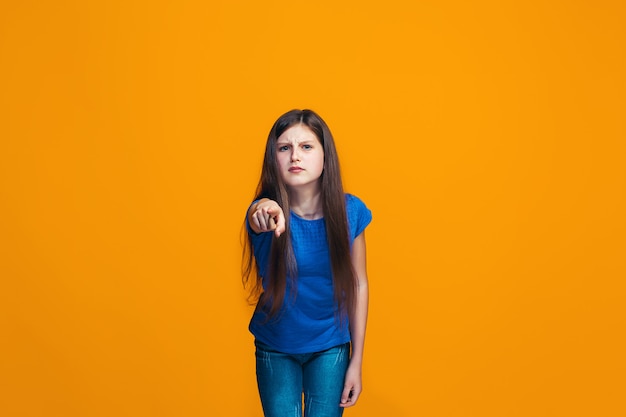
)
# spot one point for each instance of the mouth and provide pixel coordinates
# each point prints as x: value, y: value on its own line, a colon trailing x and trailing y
x: 295, y: 169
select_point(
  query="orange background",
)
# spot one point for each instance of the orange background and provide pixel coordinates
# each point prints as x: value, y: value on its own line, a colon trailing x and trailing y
x: 487, y: 137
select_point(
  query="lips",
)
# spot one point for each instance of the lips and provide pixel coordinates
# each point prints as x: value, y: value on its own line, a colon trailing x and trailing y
x: 295, y: 169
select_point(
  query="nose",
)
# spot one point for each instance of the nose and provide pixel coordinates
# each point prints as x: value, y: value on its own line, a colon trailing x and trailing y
x: 295, y: 154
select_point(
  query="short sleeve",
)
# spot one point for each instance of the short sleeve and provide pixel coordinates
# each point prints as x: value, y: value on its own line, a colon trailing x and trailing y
x: 359, y: 216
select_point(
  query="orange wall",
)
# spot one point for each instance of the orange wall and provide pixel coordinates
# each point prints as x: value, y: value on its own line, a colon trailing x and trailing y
x: 487, y: 137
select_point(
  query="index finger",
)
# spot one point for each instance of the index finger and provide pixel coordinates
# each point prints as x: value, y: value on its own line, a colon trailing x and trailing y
x: 280, y: 224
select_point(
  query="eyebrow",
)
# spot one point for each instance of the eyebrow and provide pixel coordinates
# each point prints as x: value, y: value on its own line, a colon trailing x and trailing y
x: 304, y: 142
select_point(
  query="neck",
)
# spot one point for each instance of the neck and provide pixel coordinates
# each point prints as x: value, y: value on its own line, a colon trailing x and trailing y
x: 306, y: 203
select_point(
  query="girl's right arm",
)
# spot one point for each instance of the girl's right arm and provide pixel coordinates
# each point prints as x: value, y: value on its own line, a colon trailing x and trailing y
x: 265, y: 216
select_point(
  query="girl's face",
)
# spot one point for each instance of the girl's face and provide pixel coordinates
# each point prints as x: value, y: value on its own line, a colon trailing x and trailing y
x: 300, y: 157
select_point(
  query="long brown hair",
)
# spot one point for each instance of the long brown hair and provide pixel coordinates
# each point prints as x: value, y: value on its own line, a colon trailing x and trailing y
x: 282, y: 262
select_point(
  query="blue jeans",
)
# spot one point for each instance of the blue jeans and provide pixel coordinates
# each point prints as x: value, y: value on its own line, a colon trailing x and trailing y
x: 283, y: 378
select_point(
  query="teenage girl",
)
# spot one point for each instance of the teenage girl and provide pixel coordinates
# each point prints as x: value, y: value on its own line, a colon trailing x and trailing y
x: 306, y: 264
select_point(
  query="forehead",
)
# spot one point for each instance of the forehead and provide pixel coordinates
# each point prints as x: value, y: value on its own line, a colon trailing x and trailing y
x: 297, y: 133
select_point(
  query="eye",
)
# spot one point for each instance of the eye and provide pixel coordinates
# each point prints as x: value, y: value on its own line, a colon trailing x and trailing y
x: 307, y: 147
x: 283, y: 148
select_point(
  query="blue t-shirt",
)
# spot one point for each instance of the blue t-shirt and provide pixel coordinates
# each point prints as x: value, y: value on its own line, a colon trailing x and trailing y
x: 307, y: 322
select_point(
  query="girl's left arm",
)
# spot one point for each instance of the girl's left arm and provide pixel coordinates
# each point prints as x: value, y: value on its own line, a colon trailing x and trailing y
x: 358, y: 320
